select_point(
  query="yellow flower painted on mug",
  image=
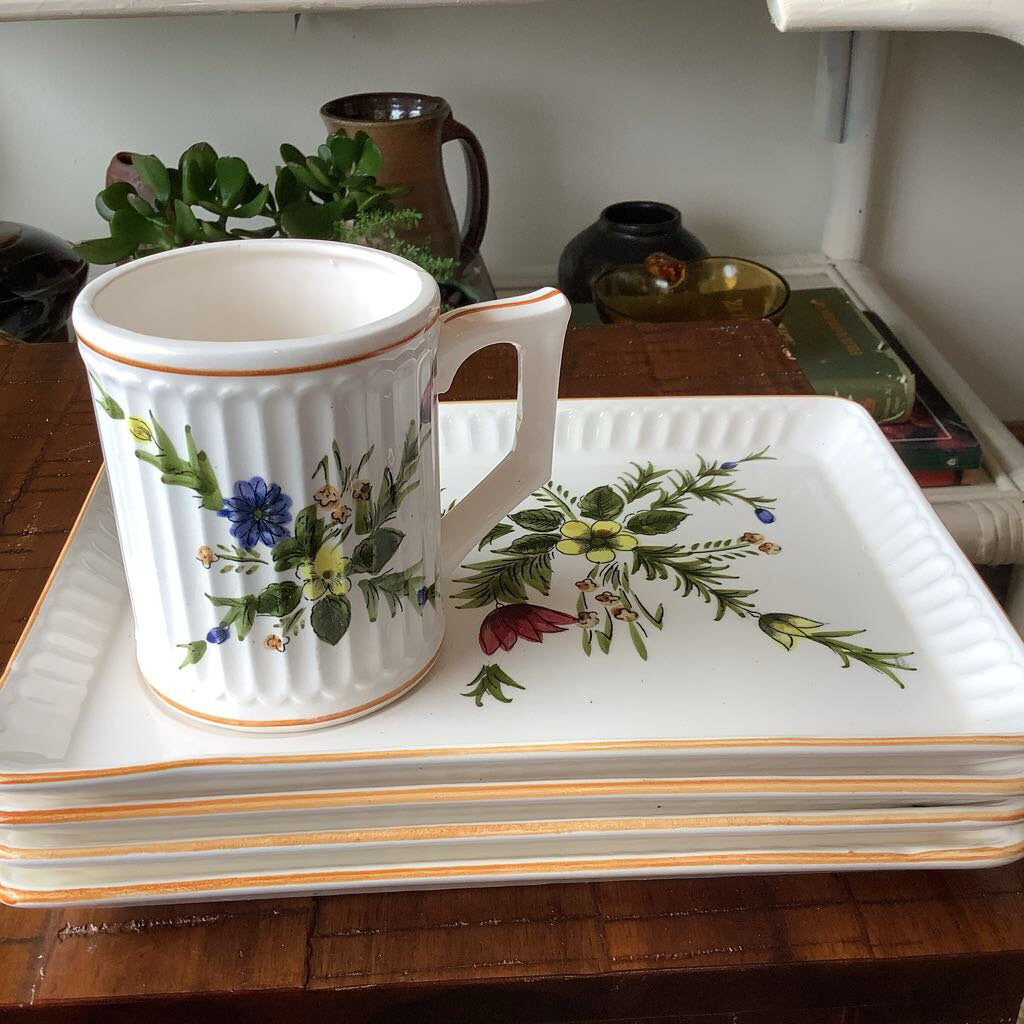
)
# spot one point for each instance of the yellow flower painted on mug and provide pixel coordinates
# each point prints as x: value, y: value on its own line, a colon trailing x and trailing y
x: 139, y: 429
x: 273, y: 642
x: 598, y: 541
x: 327, y: 573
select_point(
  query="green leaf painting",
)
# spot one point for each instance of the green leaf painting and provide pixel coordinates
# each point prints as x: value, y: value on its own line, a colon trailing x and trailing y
x: 627, y: 546
x: 314, y: 565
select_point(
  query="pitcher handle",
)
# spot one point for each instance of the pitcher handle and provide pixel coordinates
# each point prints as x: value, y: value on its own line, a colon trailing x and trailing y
x: 477, y: 182
x: 535, y: 324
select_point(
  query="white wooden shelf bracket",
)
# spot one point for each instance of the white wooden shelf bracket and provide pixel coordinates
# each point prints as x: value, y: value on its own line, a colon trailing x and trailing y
x: 993, y: 17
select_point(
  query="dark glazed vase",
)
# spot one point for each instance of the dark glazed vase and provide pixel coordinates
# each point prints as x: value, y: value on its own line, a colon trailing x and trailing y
x: 39, y: 279
x: 624, y: 233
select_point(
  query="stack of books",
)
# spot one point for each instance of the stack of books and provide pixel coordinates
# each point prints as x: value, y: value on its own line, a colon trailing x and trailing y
x: 852, y: 353
x: 825, y: 345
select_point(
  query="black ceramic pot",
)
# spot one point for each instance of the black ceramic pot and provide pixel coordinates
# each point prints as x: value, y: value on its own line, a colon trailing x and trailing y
x: 624, y: 233
x: 39, y: 279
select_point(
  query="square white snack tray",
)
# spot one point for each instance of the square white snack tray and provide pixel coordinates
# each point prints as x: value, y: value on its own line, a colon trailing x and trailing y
x: 521, y: 852
x: 861, y: 548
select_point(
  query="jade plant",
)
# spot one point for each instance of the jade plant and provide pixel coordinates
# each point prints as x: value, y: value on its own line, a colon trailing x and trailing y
x: 332, y: 194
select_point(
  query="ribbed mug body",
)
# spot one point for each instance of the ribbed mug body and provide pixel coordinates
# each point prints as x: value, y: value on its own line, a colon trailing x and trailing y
x: 279, y: 524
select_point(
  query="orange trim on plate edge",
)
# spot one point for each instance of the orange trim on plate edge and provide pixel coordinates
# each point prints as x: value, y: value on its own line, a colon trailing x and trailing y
x: 471, y: 830
x: 368, y: 796
x: 604, y: 865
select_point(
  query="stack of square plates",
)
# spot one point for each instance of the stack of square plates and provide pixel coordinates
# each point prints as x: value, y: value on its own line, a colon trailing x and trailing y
x: 782, y: 663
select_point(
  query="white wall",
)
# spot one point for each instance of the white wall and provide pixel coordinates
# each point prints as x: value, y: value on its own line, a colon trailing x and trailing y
x: 578, y: 103
x: 948, y: 224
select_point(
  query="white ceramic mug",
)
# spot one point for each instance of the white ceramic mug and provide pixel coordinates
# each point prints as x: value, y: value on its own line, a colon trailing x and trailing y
x: 267, y: 416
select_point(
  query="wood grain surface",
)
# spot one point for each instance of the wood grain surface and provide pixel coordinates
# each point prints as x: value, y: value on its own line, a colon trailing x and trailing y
x: 909, y: 947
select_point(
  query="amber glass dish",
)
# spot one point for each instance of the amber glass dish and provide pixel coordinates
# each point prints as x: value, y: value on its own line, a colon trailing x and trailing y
x: 714, y: 288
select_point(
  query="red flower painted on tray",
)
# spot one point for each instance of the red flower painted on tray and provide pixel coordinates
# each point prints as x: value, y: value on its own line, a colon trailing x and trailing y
x: 506, y: 624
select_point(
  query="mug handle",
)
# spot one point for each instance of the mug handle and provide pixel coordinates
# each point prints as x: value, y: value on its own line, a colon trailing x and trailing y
x: 477, y: 182
x: 535, y: 324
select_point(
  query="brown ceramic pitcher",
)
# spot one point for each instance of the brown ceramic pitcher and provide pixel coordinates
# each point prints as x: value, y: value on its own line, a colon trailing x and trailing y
x: 410, y: 130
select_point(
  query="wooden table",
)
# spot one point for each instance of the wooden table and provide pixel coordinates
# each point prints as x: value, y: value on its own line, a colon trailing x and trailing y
x: 908, y: 947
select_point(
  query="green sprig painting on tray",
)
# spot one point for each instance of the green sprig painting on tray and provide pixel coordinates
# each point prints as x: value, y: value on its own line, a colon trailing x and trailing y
x: 344, y: 538
x: 632, y: 555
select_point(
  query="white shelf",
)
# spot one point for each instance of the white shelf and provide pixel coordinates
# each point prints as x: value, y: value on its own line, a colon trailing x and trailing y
x: 43, y: 10
x: 995, y: 17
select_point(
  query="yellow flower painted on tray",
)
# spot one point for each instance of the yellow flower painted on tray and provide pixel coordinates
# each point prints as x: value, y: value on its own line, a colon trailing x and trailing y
x: 598, y: 541
x: 327, y: 573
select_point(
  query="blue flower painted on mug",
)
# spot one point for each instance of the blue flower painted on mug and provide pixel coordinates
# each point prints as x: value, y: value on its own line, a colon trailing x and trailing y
x: 259, y: 512
x: 764, y: 515
x: 421, y: 596
x: 218, y: 634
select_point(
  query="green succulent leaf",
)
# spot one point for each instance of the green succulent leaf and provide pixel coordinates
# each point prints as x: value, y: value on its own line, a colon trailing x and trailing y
x: 104, y: 250
x: 152, y: 171
x: 343, y: 152
x: 231, y: 174
x: 254, y: 207
x: 196, y: 180
x: 113, y: 198
x: 133, y: 227
x: 212, y: 233
x: 370, y: 158
x: 318, y: 168
x: 185, y: 221
x: 307, y: 179
x: 270, y: 231
x: 287, y: 189
x: 139, y: 205
x: 359, y: 141
x: 204, y: 156
x: 313, y: 220
x: 292, y: 154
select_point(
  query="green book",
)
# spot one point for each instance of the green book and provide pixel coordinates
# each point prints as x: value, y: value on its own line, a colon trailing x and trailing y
x: 843, y: 354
